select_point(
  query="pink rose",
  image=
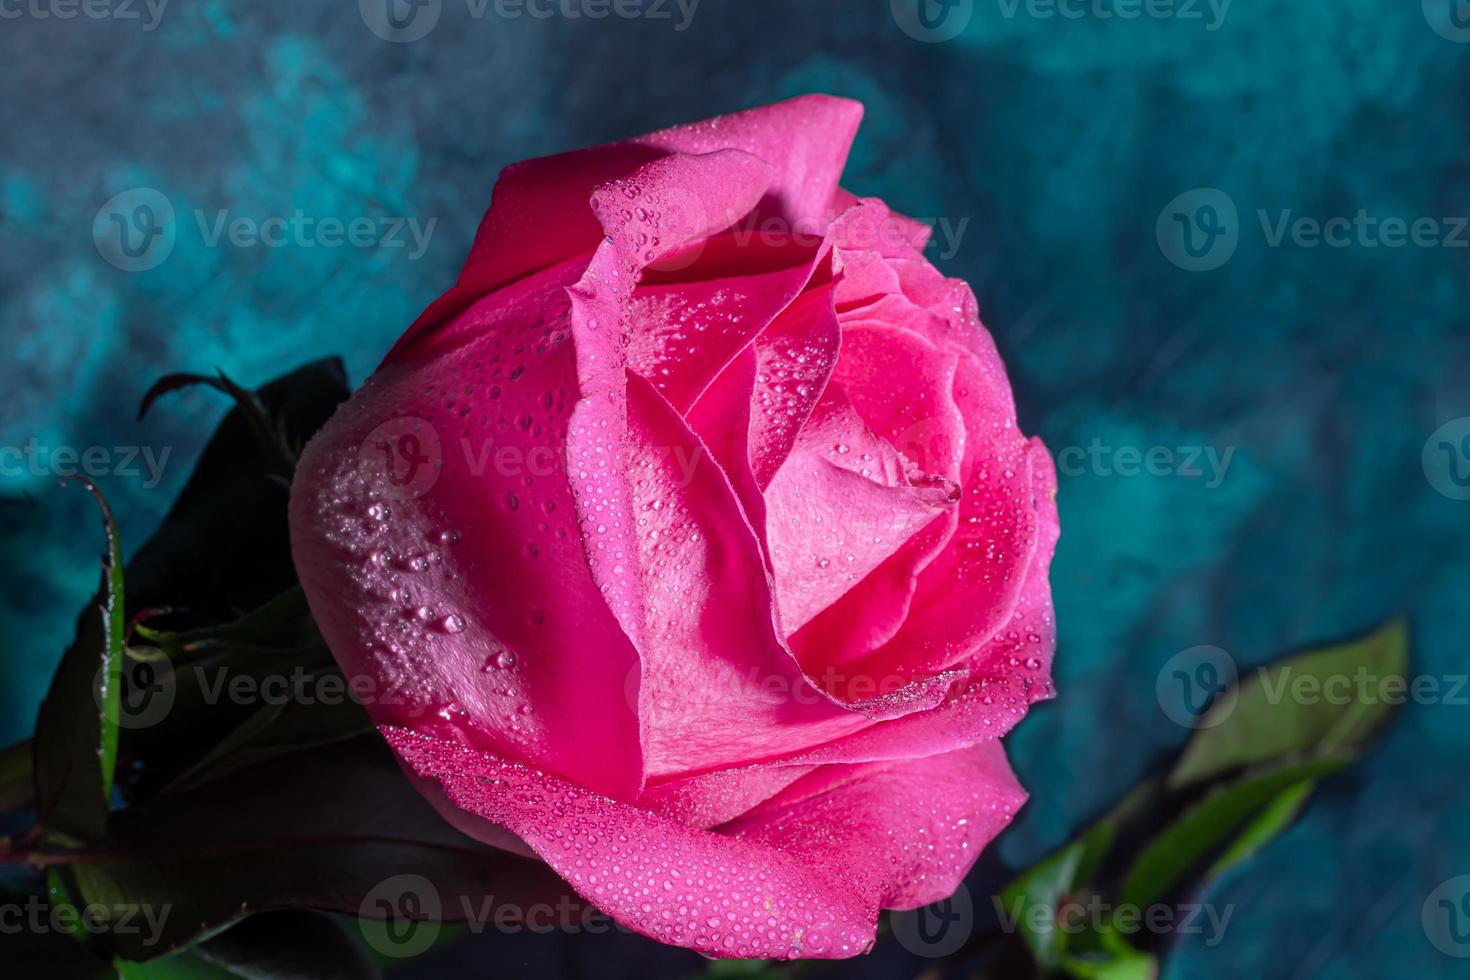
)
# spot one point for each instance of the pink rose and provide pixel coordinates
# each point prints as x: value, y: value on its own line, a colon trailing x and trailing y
x: 689, y: 541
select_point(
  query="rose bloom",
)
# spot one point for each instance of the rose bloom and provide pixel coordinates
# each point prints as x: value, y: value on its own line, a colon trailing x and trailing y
x: 694, y: 537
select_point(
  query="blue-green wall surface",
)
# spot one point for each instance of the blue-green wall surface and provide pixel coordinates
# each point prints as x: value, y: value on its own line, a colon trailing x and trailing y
x: 1060, y: 142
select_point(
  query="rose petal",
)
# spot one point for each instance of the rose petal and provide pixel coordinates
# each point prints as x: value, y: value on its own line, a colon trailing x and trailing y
x: 901, y: 386
x: 717, y: 687
x: 538, y: 213
x: 803, y: 875
x: 684, y: 334
x: 404, y: 556
x: 841, y: 504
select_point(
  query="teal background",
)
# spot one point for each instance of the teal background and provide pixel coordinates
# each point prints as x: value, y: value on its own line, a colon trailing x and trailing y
x: 1059, y: 141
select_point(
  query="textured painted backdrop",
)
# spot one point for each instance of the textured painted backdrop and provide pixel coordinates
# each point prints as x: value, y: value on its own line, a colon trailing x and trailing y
x: 1058, y: 140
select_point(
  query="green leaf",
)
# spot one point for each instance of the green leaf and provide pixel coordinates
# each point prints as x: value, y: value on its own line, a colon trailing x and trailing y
x: 320, y: 829
x: 283, y: 623
x: 270, y: 434
x: 746, y: 969
x: 17, y: 778
x: 1317, y: 702
x: 183, y: 965
x: 1210, y: 827
x: 289, y: 945
x: 198, y: 723
x: 76, y: 741
x: 1140, y: 966
x: 1264, y: 828
x: 50, y: 948
x: 224, y: 547
x: 1029, y: 903
x: 275, y: 730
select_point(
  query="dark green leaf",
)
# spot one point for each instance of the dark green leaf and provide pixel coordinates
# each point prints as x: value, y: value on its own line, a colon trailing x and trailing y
x: 283, y: 623
x: 43, y: 947
x: 1134, y: 965
x: 1265, y: 826
x: 17, y: 779
x: 76, y: 743
x: 745, y: 969
x: 277, y: 729
x: 270, y: 435
x: 294, y: 944
x: 1210, y: 827
x: 1029, y: 903
x: 318, y: 829
x: 1320, y: 701
x: 224, y: 547
x: 183, y: 965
